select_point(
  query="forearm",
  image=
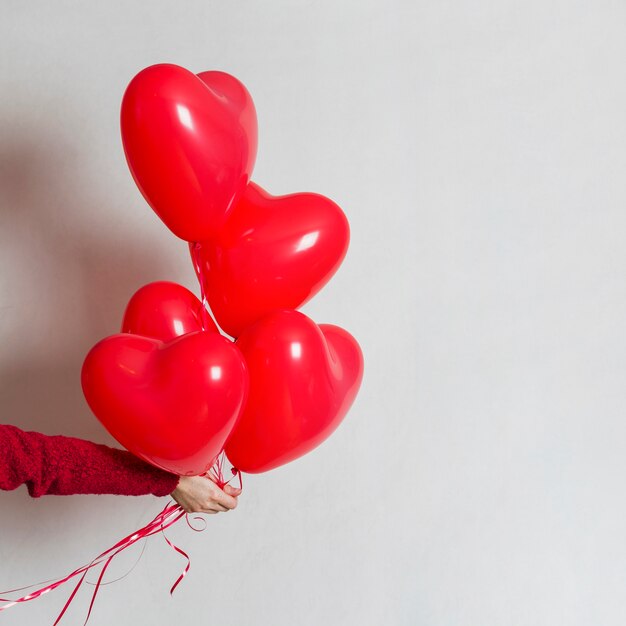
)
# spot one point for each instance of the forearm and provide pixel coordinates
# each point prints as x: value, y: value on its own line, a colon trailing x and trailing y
x: 60, y: 465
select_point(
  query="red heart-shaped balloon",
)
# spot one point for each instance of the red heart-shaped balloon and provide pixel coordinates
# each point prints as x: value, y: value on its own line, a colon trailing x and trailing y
x: 303, y: 379
x: 271, y: 253
x: 164, y: 310
x: 190, y: 142
x: 173, y: 404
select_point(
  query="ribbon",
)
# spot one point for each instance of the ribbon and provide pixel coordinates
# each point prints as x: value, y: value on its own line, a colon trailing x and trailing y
x: 195, y: 258
x: 166, y: 518
x: 171, y: 514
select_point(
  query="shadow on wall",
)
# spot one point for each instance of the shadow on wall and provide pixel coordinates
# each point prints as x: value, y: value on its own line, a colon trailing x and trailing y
x: 82, y: 278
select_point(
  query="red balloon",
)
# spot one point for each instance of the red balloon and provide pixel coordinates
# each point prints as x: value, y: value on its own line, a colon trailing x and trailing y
x: 164, y: 310
x: 271, y: 253
x: 173, y: 404
x: 190, y: 142
x: 303, y: 379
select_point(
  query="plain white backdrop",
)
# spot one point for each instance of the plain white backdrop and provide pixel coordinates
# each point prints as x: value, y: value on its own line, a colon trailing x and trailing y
x: 478, y: 150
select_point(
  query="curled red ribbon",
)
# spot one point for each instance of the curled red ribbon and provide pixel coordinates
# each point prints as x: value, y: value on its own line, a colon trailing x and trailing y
x: 163, y: 520
x: 168, y: 516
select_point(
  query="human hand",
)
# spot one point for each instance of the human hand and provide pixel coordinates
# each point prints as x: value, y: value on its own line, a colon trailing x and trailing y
x: 199, y: 494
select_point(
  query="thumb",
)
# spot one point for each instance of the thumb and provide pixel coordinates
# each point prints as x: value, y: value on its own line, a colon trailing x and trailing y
x: 232, y: 491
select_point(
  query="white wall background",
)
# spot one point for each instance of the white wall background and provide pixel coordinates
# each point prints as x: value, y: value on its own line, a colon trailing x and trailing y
x: 478, y: 149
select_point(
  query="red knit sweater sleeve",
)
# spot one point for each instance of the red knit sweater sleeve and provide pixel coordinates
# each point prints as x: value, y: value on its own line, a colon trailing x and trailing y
x: 64, y: 466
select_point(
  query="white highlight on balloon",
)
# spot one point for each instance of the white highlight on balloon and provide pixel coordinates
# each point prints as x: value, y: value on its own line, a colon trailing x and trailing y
x: 178, y: 327
x: 296, y: 349
x: 184, y: 116
x: 307, y: 241
x: 216, y: 372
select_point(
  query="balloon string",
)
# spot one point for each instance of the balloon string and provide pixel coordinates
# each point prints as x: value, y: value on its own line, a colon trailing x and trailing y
x: 166, y: 518
x: 81, y: 569
x: 110, y: 582
x: 179, y: 513
x: 162, y: 521
x: 195, y: 257
x: 216, y: 473
x: 180, y: 551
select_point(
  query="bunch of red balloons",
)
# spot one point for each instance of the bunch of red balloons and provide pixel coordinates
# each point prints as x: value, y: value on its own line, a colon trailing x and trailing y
x: 170, y: 387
